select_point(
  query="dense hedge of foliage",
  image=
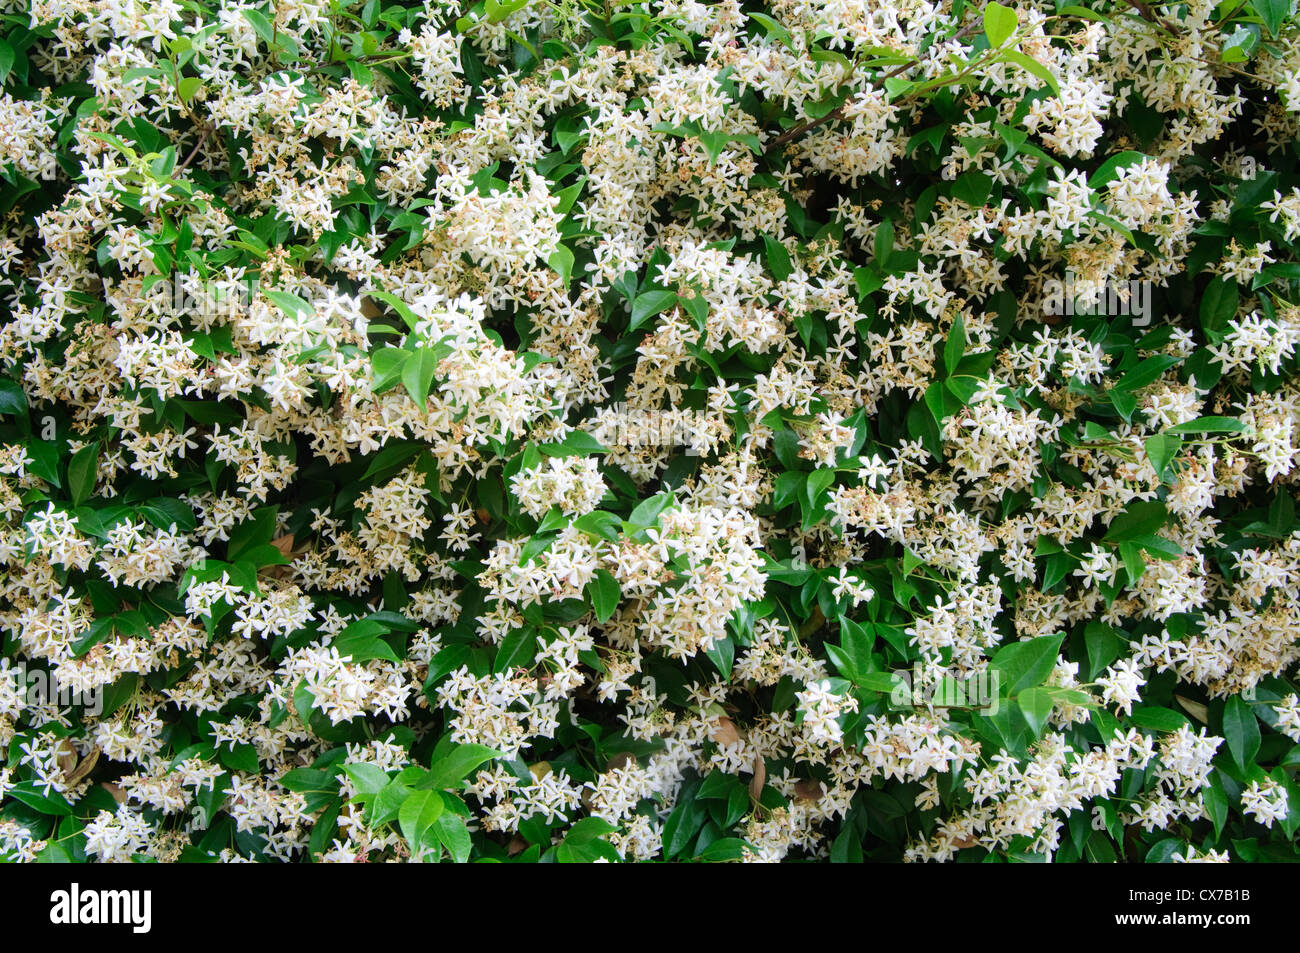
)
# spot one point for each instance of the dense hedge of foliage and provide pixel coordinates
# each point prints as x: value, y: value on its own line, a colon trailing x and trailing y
x: 591, y: 430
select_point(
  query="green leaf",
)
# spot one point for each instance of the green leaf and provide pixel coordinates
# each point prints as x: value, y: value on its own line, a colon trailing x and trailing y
x: 394, y: 455
x: 261, y: 25
x: 1140, y: 519
x: 722, y: 653
x: 1115, y: 225
x: 605, y: 593
x: 1156, y: 718
x: 187, y: 87
x: 52, y: 803
x: 933, y: 137
x: 973, y: 188
x: 683, y: 824
x: 561, y: 261
x: 589, y: 852
x: 884, y: 244
x: 368, y: 779
x: 12, y: 398
x: 723, y: 849
x: 264, y: 555
x: 1159, y: 547
x: 1125, y: 403
x: 1209, y: 425
x: 1147, y: 372
x: 454, y: 835
x: 409, y: 317
x: 240, y: 758
x: 119, y: 693
x: 853, y: 655
x: 866, y: 281
x: 1162, y: 852
x: 309, y: 781
x: 599, y: 524
x: 576, y: 443
x: 6, y: 60
x: 1134, y: 564
x: 323, y: 830
x: 1103, y: 647
x: 1032, y: 66
x: 774, y: 29
x: 1077, y: 11
x: 1161, y: 449
x: 884, y: 682
x: 1238, y: 47
x: 1036, y: 705
x: 1219, y: 303
x: 1110, y: 168
x: 417, y: 814
x: 1273, y: 13
x: 98, y: 631
x: 567, y: 197
x: 588, y: 829
x: 259, y: 528
x: 387, y: 364
x: 648, y: 304
x: 818, y: 55
x: 778, y: 259
x: 955, y: 346
x: 451, y: 770
x: 1216, y: 803
x: 360, y: 643
x: 789, y: 488
x: 44, y: 461
x: 417, y: 373
x: 517, y: 649
x: 82, y: 469
x: 1022, y: 665
x: 1241, y: 729
x: 646, y: 513
x: 817, y: 483
x: 999, y: 23
x: 498, y: 10
x: 388, y: 802
x: 1059, y: 565
x: 165, y: 513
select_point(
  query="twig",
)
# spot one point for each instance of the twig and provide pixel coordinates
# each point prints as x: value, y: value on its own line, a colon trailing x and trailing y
x: 794, y: 132
x: 195, y: 151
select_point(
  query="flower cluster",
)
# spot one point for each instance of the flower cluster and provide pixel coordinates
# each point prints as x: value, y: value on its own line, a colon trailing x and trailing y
x: 558, y: 430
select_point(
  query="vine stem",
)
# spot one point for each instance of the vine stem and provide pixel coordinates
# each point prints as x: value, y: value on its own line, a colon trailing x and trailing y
x: 195, y: 151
